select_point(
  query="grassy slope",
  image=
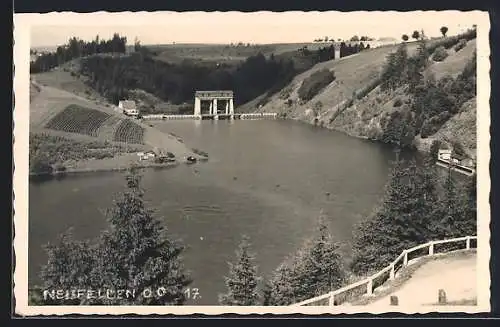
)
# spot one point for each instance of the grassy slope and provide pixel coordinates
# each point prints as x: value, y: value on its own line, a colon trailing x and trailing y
x: 461, y: 127
x: 362, y: 118
x: 455, y: 62
x: 50, y: 100
x: 353, y: 73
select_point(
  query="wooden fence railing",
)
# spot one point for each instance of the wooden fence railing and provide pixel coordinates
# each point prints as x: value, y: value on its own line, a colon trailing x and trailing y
x: 368, y: 285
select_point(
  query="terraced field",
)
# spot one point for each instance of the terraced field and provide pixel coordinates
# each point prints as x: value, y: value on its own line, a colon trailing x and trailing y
x: 80, y: 120
x: 129, y: 132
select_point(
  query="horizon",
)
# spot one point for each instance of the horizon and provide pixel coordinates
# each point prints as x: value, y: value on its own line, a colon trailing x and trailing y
x: 55, y: 29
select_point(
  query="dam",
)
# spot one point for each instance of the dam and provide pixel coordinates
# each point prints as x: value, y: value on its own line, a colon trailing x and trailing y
x: 213, y: 105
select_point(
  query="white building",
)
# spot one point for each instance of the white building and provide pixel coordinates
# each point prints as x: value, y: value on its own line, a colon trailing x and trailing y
x: 128, y: 107
x: 444, y: 154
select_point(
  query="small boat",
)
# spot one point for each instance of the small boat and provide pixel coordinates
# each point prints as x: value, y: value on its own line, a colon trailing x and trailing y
x: 191, y: 159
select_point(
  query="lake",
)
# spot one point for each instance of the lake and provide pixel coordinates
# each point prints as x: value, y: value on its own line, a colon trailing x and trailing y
x: 268, y: 179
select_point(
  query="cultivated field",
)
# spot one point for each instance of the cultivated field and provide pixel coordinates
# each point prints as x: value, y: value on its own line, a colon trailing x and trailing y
x: 129, y: 132
x: 58, y: 112
x: 80, y: 120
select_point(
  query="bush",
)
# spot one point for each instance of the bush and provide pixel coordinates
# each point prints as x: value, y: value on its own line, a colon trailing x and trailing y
x: 458, y: 148
x: 461, y: 44
x: 368, y: 88
x: 60, y: 168
x: 200, y: 153
x: 433, y: 124
x: 103, y: 155
x: 40, y: 165
x: 314, y: 83
x: 440, y: 54
x: 397, y: 103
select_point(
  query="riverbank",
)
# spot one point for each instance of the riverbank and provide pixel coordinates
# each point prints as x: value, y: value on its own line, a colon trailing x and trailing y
x: 118, y: 163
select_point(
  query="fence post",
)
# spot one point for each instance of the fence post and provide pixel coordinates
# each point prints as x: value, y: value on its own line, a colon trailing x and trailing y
x: 405, y: 258
x: 331, y: 299
x: 431, y: 248
x: 392, y: 274
x: 369, y: 287
x: 467, y: 243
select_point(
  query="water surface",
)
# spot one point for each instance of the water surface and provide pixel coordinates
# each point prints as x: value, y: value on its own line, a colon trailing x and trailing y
x: 267, y: 179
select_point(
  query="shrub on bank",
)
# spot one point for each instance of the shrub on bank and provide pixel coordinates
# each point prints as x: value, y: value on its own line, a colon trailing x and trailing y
x: 40, y: 164
x: 440, y: 54
x: 461, y: 44
x: 314, y: 83
x: 397, y: 103
x: 200, y: 153
x: 368, y: 88
x: 59, y: 168
x: 433, y: 124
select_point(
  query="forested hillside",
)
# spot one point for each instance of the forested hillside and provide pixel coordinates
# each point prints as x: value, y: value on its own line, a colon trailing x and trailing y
x: 405, y: 99
x: 173, y: 73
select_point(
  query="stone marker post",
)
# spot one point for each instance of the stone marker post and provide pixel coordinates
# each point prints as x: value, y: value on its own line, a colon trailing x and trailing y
x: 442, y: 297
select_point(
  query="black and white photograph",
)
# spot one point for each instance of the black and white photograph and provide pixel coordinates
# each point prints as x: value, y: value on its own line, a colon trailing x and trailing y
x: 251, y: 162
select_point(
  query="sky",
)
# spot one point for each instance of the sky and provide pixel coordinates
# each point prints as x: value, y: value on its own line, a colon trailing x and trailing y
x: 232, y: 27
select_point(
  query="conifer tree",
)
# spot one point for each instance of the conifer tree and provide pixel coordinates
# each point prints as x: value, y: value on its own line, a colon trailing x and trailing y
x: 315, y: 269
x: 319, y: 265
x: 281, y: 287
x: 401, y: 221
x: 242, y: 279
x: 458, y: 216
x: 134, y: 254
x: 470, y: 225
x: 69, y: 266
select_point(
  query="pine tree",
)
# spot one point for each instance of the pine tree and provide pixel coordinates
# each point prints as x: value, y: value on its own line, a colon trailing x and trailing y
x: 134, y: 254
x: 69, y: 266
x: 401, y: 221
x: 315, y: 269
x: 281, y: 287
x: 457, y: 209
x: 319, y: 266
x: 242, y: 279
x: 427, y: 198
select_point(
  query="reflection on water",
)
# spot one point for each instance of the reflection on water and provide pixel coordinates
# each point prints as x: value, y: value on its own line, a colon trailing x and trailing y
x: 266, y: 179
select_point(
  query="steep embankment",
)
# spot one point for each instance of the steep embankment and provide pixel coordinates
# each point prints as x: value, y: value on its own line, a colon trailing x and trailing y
x: 352, y: 74
x: 355, y: 104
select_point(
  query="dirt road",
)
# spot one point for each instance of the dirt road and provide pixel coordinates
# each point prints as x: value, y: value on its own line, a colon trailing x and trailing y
x: 455, y: 275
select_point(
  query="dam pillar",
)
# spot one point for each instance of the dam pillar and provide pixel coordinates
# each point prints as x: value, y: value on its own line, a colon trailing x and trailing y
x: 197, y: 106
x: 215, y: 111
x: 231, y: 108
x: 213, y: 96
